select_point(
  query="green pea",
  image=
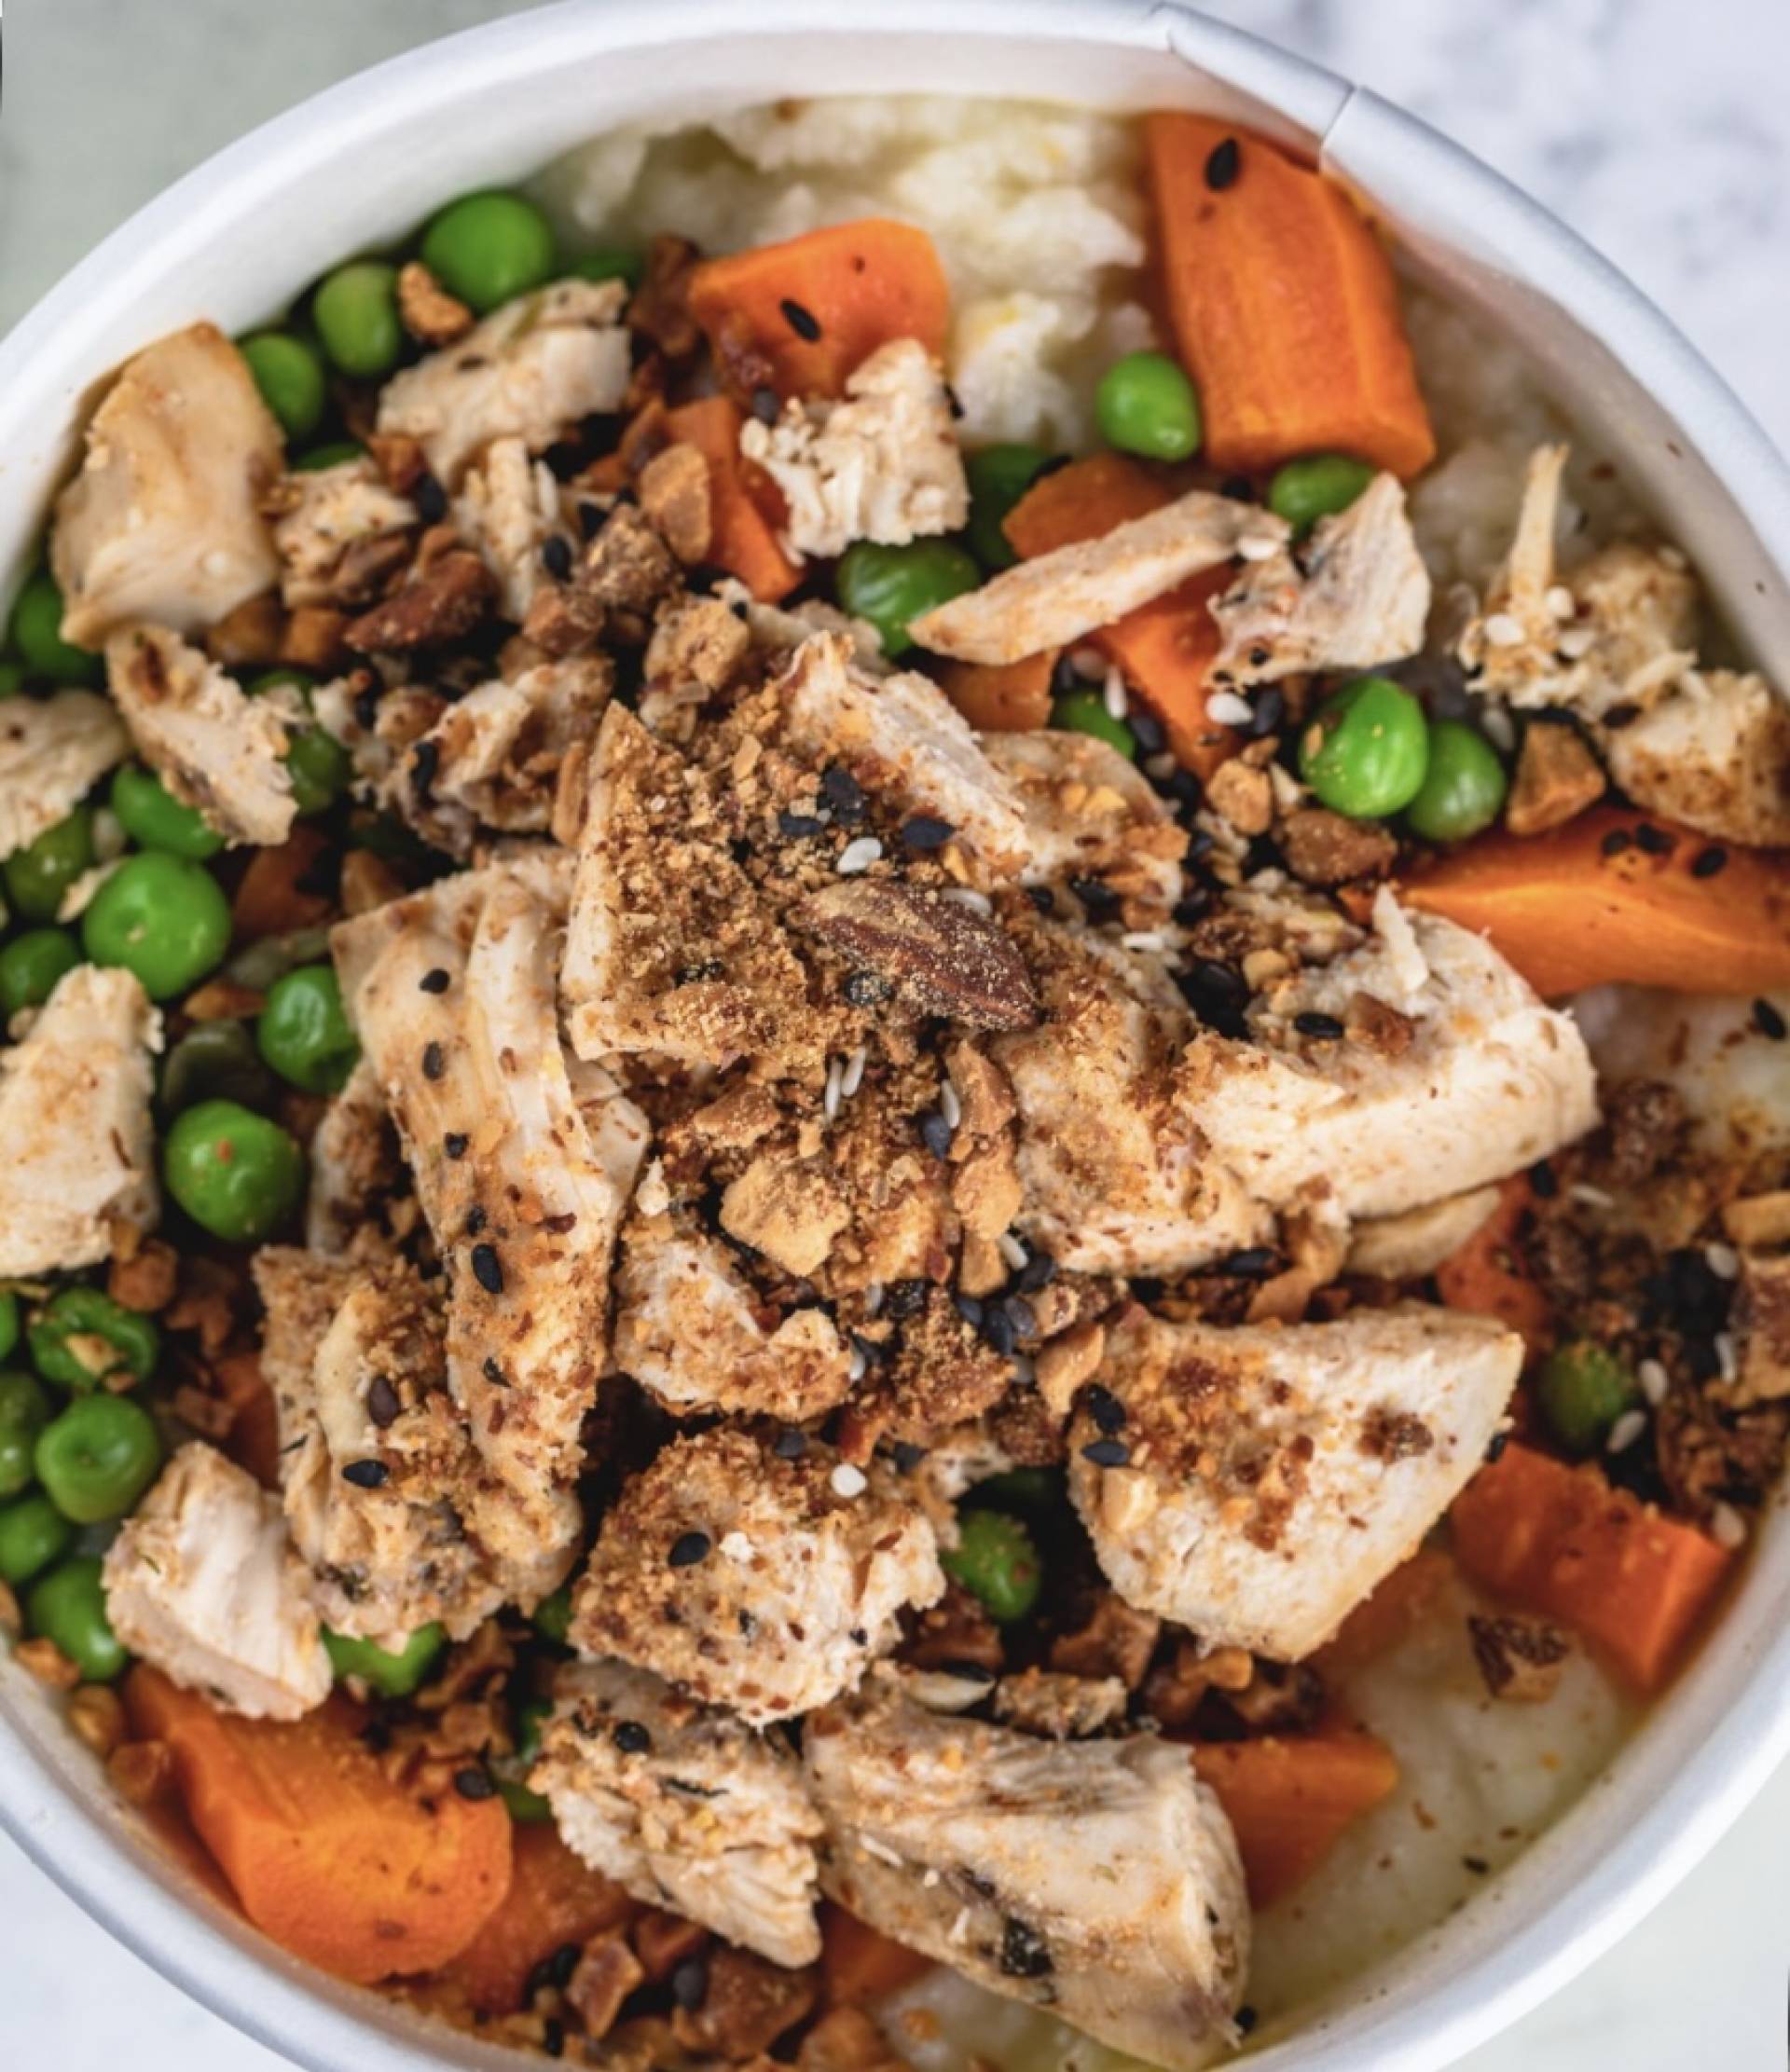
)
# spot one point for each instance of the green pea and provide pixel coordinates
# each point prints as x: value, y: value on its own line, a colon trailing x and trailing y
x: 1463, y: 788
x: 487, y: 247
x: 8, y: 1322
x: 320, y: 767
x: 390, y: 1675
x: 24, y: 1411
x: 161, y: 917
x: 33, y: 1534
x: 12, y: 678
x: 154, y: 818
x: 1145, y: 404
x: 304, y: 1032
x: 272, y: 679
x: 217, y: 1061
x: 38, y: 634
x: 31, y: 964
x: 355, y: 310
x: 1085, y: 712
x: 512, y: 1771
x: 552, y: 1616
x: 892, y: 585
x: 68, y: 1607
x: 1366, y: 752
x: 614, y: 265
x: 998, y: 476
x: 330, y: 455
x: 1581, y: 1390
x: 237, y: 1174
x: 40, y: 874
x: 98, y: 1458
x: 1317, y: 486
x: 68, y: 1333
x: 290, y: 377
x: 996, y: 1561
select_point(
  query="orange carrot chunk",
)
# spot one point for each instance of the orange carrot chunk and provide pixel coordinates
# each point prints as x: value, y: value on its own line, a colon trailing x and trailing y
x: 365, y: 1877
x: 1164, y: 648
x: 800, y: 316
x: 1590, y: 905
x: 554, y: 1899
x: 860, y: 1964
x: 1559, y: 1541
x: 1291, y: 1799
x: 1282, y: 301
x: 743, y: 538
x: 1002, y: 698
x: 1487, y: 1276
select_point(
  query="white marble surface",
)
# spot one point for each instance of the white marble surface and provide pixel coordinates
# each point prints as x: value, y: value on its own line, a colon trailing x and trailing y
x: 1655, y: 127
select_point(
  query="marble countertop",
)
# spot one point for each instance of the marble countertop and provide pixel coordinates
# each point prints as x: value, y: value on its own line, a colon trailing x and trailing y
x: 1667, y: 149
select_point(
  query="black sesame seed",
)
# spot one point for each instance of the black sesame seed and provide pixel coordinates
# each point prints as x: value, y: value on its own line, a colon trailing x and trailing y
x: 908, y: 1456
x: 925, y: 831
x: 1326, y: 1028
x: 1107, y: 1453
x: 1095, y: 895
x: 790, y: 1444
x: 487, y: 1269
x: 1022, y: 1953
x: 366, y: 1474
x: 433, y: 1063
x: 998, y: 1330
x: 765, y: 407
x: 866, y: 989
x: 382, y: 1404
x: 1271, y: 709
x: 1544, y: 1180
x: 799, y: 827
x: 1106, y: 1409
x: 690, y: 1984
x: 1194, y: 906
x: 1043, y: 900
x: 1494, y: 1447
x: 1616, y: 842
x: 1223, y: 164
x: 631, y: 1737
x: 1218, y: 994
x: 1038, y: 1272
x: 843, y: 794
x: 688, y: 1549
x: 935, y: 1132
x: 494, y: 1375
x: 1707, y: 863
x: 430, y: 498
x: 436, y: 981
x: 1255, y: 1262
x: 969, y: 1308
x: 804, y: 322
x: 1021, y: 1315
x: 1768, y: 1021
x: 475, y: 1783
x: 1654, y: 842
x: 555, y: 557
x: 1246, y: 2018
x: 1152, y: 735
x: 903, y: 1299
x: 1622, y: 716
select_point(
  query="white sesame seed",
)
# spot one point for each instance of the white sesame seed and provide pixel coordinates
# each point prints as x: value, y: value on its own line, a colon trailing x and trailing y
x: 960, y: 1927
x: 829, y: 1099
x: 1576, y: 642
x: 1228, y: 710
x: 1497, y: 727
x: 929, y: 1880
x: 1728, y: 1526
x: 1654, y: 1382
x: 1627, y: 1429
x: 1504, y: 631
x: 859, y: 856
x: 852, y: 1078
x: 1257, y: 547
x: 1594, y: 1198
x: 950, y: 1106
x: 872, y: 1298
x: 1144, y: 938
x: 881, y: 1851
x: 857, y: 1367
x: 1722, y: 1260
x: 1728, y: 1355
x: 1012, y: 1251
x: 1561, y: 602
x: 1113, y: 695
x: 847, y: 1481
x: 967, y: 895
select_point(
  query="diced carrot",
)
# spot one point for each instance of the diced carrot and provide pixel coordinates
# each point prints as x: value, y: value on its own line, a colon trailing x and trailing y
x: 860, y: 1965
x: 1283, y: 304
x: 1290, y: 1798
x: 1559, y: 1541
x: 1487, y: 1274
x: 273, y: 897
x: 1002, y: 698
x: 554, y: 1899
x: 809, y: 310
x: 744, y: 538
x: 326, y: 1855
x: 1166, y: 649
x: 1589, y: 905
x: 252, y: 1441
x: 1388, y: 1616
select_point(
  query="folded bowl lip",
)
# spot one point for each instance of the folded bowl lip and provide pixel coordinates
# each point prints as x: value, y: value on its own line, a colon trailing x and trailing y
x: 1713, y: 1742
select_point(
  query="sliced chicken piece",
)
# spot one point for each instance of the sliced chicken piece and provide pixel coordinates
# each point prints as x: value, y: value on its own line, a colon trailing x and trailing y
x: 1715, y: 753
x: 1099, y: 1879
x: 684, y: 1805
x: 1114, y: 1171
x: 203, y: 1582
x: 389, y: 1501
x: 776, y: 629
x: 1062, y: 596
x: 1089, y: 813
x: 217, y: 750
x: 1264, y: 1480
x: 508, y: 508
x: 1456, y: 1075
x: 900, y: 737
x: 340, y: 535
x: 880, y: 463
x: 689, y: 1327
x: 80, y: 1150
x: 354, y: 1163
x: 670, y: 948
x: 163, y: 523
x: 1355, y: 596
x: 529, y: 371
x: 1402, y: 1247
x: 754, y: 1581
x: 452, y: 994
x: 52, y: 752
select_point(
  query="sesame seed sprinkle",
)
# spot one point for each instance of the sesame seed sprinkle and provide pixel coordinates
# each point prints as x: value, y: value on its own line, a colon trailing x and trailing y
x: 1651, y: 1374
x: 830, y: 1098
x: 847, y: 1481
x: 1627, y: 1429
x: 858, y: 856
x: 1012, y: 1251
x: 1722, y: 1260
x: 852, y: 1078
x: 1227, y: 709
x: 950, y: 1106
x: 1113, y: 696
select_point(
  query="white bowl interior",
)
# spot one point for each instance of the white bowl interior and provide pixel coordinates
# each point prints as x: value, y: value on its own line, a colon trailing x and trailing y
x: 359, y: 166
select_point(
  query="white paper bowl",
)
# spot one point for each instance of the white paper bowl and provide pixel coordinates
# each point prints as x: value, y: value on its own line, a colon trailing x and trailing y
x: 366, y: 160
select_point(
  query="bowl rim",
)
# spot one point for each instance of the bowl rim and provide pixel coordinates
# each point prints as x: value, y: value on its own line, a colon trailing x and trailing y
x: 146, y: 1903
